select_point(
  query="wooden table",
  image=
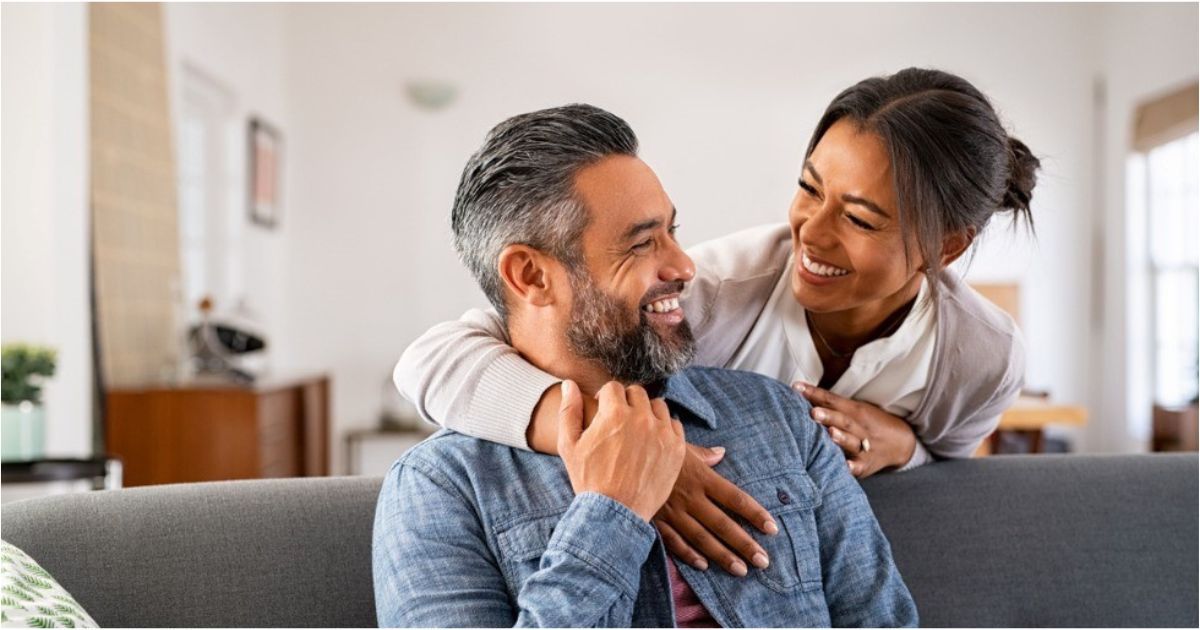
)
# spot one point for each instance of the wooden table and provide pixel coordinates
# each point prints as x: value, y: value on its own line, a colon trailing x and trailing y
x: 1029, y: 416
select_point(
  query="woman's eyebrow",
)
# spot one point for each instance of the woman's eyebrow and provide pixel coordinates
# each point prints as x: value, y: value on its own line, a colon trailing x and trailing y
x: 812, y: 169
x: 869, y: 205
x: 866, y: 203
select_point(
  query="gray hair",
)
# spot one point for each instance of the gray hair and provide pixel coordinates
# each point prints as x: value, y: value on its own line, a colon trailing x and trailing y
x: 519, y: 188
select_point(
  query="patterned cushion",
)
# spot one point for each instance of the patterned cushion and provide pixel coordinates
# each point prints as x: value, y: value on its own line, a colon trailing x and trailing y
x: 30, y: 598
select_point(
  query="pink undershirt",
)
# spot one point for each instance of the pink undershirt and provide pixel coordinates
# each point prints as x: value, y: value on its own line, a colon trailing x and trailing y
x: 689, y: 612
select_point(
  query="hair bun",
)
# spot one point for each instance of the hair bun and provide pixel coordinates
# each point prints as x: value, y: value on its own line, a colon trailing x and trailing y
x: 1022, y: 177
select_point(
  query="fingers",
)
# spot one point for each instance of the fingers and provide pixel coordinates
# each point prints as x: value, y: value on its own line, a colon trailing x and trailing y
x: 711, y: 456
x: 822, y: 397
x: 859, y: 468
x: 832, y: 418
x: 852, y: 445
x: 679, y: 547
x: 639, y: 400
x: 570, y: 416
x: 735, y: 500
x: 731, y: 534
x: 612, y: 394
x: 659, y: 407
x: 699, y: 537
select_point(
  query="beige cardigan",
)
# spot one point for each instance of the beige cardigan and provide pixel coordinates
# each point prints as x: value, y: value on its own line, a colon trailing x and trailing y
x: 464, y: 375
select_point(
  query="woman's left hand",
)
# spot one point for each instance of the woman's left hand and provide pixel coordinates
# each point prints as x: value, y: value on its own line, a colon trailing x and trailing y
x: 872, y: 438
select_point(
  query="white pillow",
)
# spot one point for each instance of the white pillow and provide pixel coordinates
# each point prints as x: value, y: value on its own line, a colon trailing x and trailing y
x: 31, y: 598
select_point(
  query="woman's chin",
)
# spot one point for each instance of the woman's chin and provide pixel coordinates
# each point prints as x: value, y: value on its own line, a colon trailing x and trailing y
x: 815, y: 298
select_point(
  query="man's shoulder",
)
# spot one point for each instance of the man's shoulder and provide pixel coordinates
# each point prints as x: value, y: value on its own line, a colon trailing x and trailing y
x: 451, y: 457
x: 745, y: 395
x: 716, y: 380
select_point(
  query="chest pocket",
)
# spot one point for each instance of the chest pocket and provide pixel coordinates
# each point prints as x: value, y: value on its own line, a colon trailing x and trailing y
x: 521, y: 546
x: 790, y: 497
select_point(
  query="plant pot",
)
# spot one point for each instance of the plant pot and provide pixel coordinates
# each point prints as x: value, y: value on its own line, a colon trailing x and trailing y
x: 23, y: 431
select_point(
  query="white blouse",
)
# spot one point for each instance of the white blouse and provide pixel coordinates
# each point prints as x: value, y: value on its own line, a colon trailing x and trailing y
x: 890, y: 373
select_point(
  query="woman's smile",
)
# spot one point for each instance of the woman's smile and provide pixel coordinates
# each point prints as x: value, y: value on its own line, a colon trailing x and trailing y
x: 822, y: 270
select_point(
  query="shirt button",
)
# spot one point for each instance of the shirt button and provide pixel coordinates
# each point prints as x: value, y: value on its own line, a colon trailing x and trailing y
x: 784, y: 497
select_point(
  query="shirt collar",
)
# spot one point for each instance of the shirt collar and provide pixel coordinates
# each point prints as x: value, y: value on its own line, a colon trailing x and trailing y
x: 680, y: 391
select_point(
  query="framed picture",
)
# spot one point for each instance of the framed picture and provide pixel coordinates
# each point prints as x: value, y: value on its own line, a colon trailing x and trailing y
x: 266, y: 153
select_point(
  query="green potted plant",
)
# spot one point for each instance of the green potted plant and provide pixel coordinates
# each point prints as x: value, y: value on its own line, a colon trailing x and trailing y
x: 25, y: 368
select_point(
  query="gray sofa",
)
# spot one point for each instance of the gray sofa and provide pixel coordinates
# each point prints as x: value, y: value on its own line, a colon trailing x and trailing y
x: 1002, y: 541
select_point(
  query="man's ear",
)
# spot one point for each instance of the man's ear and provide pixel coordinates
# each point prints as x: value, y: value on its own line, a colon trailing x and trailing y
x: 528, y: 274
x: 953, y: 245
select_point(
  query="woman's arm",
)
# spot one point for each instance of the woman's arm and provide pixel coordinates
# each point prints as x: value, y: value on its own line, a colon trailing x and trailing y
x: 463, y: 374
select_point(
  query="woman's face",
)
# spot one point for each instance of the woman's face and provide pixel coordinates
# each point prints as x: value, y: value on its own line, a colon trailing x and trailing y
x: 846, y: 230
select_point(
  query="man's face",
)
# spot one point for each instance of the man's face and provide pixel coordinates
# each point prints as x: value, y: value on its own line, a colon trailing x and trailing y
x: 625, y: 305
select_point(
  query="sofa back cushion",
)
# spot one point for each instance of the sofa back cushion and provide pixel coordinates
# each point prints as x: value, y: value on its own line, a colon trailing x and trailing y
x: 1001, y: 541
x: 1046, y: 540
x: 279, y: 552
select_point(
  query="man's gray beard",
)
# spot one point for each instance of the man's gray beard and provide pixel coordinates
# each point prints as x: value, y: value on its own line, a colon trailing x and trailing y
x: 631, y: 352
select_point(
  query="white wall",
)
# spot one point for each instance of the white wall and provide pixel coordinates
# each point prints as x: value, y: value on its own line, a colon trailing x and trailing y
x: 1148, y: 50
x: 44, y: 233
x: 241, y: 48
x: 723, y: 98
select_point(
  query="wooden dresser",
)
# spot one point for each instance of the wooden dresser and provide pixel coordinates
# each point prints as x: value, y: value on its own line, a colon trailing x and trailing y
x: 211, y: 432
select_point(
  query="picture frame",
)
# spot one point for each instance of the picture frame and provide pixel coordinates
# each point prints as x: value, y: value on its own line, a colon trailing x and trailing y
x: 264, y: 161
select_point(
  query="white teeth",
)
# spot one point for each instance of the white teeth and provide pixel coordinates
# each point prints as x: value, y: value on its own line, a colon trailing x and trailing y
x: 662, y: 306
x: 817, y: 268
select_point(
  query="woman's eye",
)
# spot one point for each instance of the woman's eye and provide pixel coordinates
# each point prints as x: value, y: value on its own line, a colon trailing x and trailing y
x: 808, y: 188
x: 860, y: 223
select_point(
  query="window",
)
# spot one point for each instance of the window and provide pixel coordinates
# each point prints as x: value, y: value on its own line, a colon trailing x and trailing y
x: 209, y: 222
x: 1173, y: 217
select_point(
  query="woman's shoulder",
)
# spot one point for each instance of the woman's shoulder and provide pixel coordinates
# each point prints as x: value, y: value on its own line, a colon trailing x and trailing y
x: 746, y: 254
x: 968, y: 310
x: 983, y: 336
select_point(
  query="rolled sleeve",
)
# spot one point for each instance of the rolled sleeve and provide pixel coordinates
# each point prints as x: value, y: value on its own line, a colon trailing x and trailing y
x: 606, y: 535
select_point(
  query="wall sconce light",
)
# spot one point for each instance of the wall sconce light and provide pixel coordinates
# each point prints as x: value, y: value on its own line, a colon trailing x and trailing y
x: 430, y: 94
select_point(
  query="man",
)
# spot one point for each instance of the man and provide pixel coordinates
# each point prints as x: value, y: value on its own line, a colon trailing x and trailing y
x: 571, y: 237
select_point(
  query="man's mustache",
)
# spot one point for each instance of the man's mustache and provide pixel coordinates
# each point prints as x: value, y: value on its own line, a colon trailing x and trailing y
x: 661, y: 290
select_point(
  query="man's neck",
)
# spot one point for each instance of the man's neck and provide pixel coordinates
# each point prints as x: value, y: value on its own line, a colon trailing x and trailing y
x: 555, y: 357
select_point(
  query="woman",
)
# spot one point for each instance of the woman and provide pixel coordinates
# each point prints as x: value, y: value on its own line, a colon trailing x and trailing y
x: 851, y: 301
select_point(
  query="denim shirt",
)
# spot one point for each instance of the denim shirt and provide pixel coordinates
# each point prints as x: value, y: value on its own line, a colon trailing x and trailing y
x: 473, y: 533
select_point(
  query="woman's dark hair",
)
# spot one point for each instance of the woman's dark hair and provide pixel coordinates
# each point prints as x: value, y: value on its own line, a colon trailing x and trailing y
x: 953, y: 164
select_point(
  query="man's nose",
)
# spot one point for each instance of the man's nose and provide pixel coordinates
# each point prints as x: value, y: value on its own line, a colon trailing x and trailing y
x: 677, y: 266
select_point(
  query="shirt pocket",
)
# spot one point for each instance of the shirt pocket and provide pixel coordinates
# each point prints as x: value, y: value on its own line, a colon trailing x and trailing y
x: 795, y: 554
x: 521, y: 545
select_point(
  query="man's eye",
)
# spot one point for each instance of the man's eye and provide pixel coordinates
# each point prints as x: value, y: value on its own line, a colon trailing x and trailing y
x: 644, y: 245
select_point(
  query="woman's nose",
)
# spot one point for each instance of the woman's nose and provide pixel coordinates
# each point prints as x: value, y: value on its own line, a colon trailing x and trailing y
x: 818, y: 229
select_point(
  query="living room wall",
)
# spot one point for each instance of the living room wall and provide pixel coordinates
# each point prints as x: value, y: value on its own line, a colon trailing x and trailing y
x: 723, y: 98
x: 45, y: 236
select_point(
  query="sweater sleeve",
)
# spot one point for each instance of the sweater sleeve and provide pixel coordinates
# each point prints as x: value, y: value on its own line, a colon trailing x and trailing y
x: 464, y: 375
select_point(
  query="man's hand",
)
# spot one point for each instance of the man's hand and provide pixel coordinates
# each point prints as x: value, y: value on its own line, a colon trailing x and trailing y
x: 693, y: 518
x: 631, y: 452
x: 871, y: 438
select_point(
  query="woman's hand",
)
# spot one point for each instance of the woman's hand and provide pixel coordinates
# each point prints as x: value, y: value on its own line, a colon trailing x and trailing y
x: 872, y: 438
x: 693, y: 522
